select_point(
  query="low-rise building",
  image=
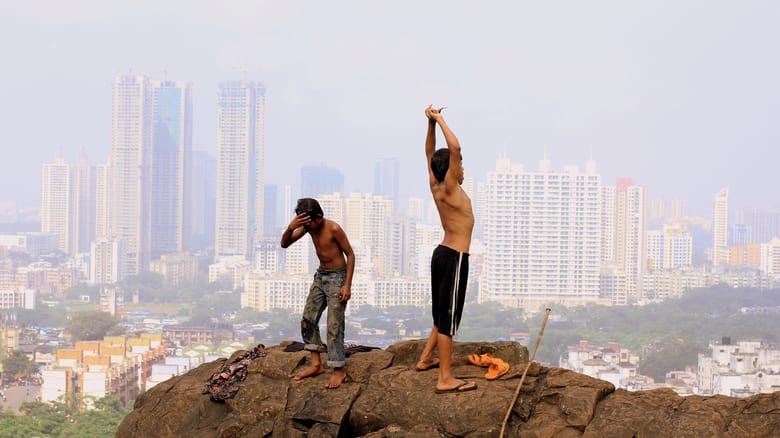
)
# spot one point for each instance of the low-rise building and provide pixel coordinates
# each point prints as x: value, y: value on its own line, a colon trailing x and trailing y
x: 739, y: 369
x: 115, y: 366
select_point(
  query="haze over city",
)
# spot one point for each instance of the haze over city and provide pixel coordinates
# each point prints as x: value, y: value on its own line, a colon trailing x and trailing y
x: 682, y: 97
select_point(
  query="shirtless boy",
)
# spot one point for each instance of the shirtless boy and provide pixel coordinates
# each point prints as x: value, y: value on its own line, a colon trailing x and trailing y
x: 450, y: 261
x: 331, y: 288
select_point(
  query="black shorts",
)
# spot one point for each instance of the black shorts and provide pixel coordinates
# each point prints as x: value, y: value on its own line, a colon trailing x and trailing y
x: 449, y: 276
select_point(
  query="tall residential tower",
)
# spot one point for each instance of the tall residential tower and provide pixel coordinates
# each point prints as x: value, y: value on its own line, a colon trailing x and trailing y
x: 542, y: 235
x: 240, y: 160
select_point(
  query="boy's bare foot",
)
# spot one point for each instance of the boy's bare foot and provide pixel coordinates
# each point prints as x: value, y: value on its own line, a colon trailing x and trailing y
x: 338, y: 377
x: 314, y: 370
x: 424, y: 365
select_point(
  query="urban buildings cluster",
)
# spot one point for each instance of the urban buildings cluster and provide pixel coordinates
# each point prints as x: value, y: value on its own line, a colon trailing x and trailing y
x: 738, y: 369
x: 542, y: 235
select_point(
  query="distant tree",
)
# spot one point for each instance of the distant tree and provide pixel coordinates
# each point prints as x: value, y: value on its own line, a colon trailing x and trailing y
x: 670, y: 355
x: 90, y: 325
x: 41, y: 316
x: 62, y: 419
x: 17, y: 365
x: 146, y: 279
x: 93, y: 291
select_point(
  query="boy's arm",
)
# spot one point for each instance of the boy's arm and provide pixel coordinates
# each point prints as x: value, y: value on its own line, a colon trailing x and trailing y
x: 346, y: 248
x: 430, y: 142
x: 295, y: 230
x: 456, y: 159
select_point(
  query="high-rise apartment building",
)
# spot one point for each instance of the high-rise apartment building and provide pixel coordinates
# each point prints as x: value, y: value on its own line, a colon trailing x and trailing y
x: 56, y: 202
x: 148, y: 189
x: 68, y: 204
x: 365, y: 216
x: 171, y: 167
x: 102, y: 201
x: 720, y: 228
x: 240, y: 161
x: 82, y: 206
x: 129, y: 185
x: 542, y: 235
x: 624, y: 233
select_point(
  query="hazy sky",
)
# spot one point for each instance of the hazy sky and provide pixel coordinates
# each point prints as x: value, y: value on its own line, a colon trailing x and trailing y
x: 683, y: 96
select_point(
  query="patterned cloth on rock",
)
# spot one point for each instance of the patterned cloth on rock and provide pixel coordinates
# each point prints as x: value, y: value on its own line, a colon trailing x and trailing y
x: 224, y: 384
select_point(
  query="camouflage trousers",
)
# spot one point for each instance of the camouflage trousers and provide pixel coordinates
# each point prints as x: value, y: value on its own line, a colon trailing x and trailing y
x: 324, y: 293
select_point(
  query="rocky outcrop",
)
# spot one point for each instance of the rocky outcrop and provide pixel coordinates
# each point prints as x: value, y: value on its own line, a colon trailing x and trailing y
x: 386, y: 397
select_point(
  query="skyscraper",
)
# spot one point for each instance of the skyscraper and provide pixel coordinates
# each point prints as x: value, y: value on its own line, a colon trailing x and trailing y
x: 624, y: 234
x: 148, y: 185
x: 240, y: 161
x: 542, y: 235
x: 102, y: 201
x: 170, y: 166
x: 55, y: 202
x: 720, y: 228
x: 82, y: 206
x: 129, y: 185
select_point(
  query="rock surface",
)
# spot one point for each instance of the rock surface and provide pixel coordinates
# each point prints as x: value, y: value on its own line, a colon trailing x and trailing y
x: 385, y: 397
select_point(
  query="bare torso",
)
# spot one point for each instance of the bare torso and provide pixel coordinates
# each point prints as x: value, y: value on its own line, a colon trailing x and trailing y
x: 330, y: 254
x: 456, y: 214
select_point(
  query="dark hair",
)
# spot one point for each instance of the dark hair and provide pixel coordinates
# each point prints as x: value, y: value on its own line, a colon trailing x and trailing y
x: 440, y: 162
x: 309, y: 206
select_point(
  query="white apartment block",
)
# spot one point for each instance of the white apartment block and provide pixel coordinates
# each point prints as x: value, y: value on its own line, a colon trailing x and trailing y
x: 231, y: 269
x: 542, y: 235
x: 739, y: 369
x: 67, y: 204
x: 56, y: 202
x: 17, y: 299
x: 720, y: 228
x: 107, y: 261
x: 264, y: 293
x: 240, y: 167
x: 670, y: 248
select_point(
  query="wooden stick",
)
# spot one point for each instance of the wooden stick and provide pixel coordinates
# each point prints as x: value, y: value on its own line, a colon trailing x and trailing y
x: 528, y: 365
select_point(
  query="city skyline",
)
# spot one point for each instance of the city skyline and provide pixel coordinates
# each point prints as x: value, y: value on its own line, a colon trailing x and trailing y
x: 672, y: 95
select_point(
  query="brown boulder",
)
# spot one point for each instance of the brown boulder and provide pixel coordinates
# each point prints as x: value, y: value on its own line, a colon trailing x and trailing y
x: 386, y: 397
